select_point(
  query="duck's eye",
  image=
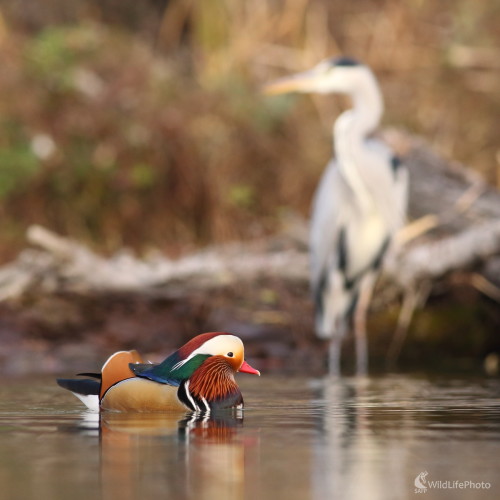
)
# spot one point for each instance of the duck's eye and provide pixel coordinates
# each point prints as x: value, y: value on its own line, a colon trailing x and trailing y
x: 230, y: 354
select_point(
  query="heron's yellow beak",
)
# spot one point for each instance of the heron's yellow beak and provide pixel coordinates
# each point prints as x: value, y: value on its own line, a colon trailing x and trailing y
x: 301, y: 82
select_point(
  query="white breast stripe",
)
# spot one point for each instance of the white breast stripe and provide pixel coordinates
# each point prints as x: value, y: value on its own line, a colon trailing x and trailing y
x: 188, y: 394
x: 205, y: 402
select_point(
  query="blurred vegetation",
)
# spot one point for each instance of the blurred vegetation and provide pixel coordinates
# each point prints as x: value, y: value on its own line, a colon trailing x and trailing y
x: 143, y: 125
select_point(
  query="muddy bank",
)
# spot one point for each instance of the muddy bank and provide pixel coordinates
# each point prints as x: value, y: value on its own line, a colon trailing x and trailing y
x: 66, y: 333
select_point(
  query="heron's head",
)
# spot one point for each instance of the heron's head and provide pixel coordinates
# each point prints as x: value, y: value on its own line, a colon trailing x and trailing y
x: 337, y: 75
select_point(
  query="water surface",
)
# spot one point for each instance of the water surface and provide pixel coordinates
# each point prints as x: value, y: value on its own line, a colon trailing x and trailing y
x: 297, y: 439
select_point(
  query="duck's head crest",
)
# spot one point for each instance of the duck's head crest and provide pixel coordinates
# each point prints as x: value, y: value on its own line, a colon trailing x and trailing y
x: 184, y: 362
x: 223, y: 344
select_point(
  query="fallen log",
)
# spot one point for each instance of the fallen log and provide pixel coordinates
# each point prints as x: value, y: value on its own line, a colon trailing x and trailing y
x: 63, y: 265
x: 460, y: 211
x: 460, y: 214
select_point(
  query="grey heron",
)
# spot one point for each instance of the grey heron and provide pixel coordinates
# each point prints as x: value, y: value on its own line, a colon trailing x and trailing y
x: 359, y: 205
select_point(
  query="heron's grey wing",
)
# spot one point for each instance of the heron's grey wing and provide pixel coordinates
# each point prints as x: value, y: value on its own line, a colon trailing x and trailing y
x: 333, y: 292
x: 324, y: 225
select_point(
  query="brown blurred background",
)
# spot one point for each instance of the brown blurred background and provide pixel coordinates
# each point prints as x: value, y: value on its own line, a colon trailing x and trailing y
x: 142, y: 124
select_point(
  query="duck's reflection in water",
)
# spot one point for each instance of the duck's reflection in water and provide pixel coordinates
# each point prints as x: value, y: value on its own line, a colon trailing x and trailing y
x: 173, y: 456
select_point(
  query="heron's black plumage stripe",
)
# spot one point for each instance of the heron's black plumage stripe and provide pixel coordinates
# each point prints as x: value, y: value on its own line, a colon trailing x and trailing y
x: 85, y: 387
x: 342, y: 251
x: 350, y: 282
x: 344, y: 61
x: 319, y: 292
x: 352, y: 306
x: 343, y: 263
x: 396, y: 164
x: 379, y: 258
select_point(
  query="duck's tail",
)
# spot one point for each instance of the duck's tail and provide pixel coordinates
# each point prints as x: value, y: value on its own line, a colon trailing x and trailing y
x: 91, y: 390
x: 86, y: 390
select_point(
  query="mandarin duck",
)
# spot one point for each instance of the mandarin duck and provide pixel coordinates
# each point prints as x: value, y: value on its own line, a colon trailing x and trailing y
x: 198, y: 377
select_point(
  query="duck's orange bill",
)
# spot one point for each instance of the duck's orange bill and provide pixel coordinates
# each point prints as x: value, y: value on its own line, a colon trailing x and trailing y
x: 246, y: 368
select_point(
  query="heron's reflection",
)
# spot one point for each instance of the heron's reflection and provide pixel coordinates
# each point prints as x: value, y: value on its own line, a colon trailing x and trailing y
x: 341, y: 426
x: 357, y: 452
x: 168, y: 454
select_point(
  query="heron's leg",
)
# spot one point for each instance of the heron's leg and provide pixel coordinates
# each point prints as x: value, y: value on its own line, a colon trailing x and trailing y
x: 334, y: 355
x: 360, y: 314
x: 361, y: 342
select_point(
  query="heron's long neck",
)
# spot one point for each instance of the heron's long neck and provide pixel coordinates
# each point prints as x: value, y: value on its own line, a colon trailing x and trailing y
x: 350, y: 133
